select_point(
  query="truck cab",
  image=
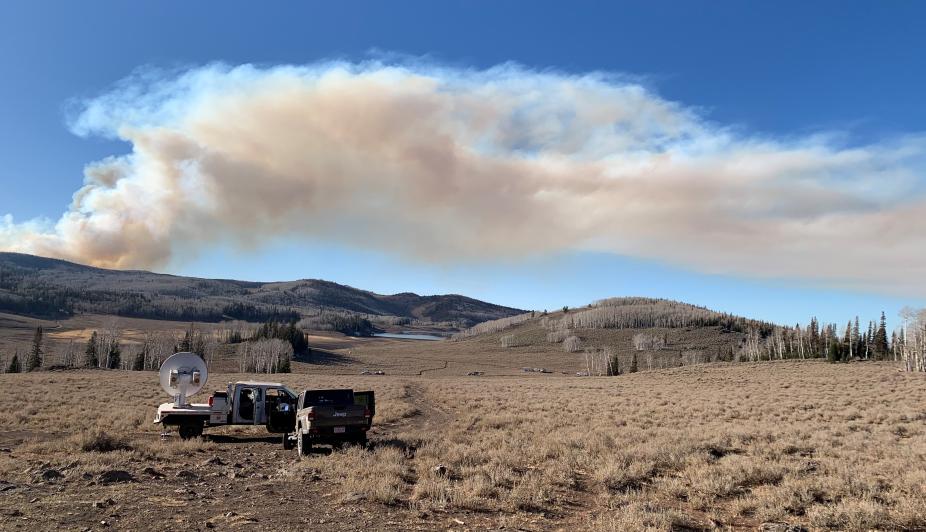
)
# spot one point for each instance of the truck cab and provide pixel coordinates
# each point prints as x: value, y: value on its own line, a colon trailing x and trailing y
x: 260, y: 403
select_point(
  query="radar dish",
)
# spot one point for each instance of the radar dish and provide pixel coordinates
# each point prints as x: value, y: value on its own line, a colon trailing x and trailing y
x: 183, y: 375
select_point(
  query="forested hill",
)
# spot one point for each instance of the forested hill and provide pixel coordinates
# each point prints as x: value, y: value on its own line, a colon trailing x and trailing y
x: 51, y: 288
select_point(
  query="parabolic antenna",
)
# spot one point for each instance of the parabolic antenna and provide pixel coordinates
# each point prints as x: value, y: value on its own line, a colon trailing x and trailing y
x: 183, y: 375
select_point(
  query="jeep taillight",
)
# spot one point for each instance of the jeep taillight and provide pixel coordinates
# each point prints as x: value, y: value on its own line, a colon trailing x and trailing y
x: 366, y: 412
x: 210, y: 401
x: 310, y: 415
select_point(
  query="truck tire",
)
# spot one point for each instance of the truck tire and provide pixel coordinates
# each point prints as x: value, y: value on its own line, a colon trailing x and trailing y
x: 287, y: 443
x: 190, y: 429
x: 304, y: 443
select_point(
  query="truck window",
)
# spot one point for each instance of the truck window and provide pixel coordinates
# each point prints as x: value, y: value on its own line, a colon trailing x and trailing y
x: 328, y: 398
x: 246, y: 403
x: 277, y: 396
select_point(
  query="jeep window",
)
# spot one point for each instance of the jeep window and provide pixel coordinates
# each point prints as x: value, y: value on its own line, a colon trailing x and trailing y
x: 328, y: 398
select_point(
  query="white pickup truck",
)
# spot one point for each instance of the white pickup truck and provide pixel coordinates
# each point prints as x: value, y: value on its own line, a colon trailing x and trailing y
x: 243, y: 403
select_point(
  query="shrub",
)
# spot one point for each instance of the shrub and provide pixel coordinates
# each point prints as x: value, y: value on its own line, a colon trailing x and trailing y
x: 97, y: 441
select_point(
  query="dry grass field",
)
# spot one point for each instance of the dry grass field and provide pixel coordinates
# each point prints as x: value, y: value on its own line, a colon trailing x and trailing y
x: 727, y: 446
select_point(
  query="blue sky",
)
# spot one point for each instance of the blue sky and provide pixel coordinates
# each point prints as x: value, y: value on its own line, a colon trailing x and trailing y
x: 784, y: 70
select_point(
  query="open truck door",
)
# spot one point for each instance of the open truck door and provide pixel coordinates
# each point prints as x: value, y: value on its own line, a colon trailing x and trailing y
x: 281, y: 411
x: 367, y: 399
x: 249, y: 405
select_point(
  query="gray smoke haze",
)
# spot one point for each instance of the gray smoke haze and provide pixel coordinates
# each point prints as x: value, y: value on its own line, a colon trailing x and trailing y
x: 446, y: 164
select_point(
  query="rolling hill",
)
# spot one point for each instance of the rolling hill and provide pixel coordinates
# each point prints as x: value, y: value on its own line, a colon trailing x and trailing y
x: 52, y: 288
x: 638, y: 332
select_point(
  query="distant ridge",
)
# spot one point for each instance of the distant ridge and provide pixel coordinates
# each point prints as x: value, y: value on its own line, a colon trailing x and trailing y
x: 45, y: 287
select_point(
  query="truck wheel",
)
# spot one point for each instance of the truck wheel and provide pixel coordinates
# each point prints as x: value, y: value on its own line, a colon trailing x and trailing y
x: 362, y: 441
x: 287, y: 443
x: 304, y: 443
x: 190, y: 429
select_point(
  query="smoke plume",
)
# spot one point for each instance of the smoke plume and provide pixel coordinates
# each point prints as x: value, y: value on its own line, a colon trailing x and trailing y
x: 448, y: 164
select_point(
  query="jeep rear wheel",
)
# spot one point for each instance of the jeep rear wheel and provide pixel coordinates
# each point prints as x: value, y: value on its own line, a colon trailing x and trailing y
x: 304, y: 443
x: 190, y: 429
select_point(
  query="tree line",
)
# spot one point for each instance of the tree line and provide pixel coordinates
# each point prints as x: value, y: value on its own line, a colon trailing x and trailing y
x: 816, y: 340
x: 106, y: 349
x: 349, y: 323
x: 24, y: 292
x: 646, y: 313
x: 492, y: 326
x: 760, y: 340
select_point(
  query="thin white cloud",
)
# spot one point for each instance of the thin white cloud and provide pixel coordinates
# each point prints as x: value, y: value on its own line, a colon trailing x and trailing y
x: 446, y: 164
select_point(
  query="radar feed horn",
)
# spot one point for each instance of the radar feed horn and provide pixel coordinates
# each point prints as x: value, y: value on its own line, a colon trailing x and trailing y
x: 183, y: 375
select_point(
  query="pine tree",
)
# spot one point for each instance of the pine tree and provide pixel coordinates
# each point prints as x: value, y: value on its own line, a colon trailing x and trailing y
x: 832, y: 351
x: 91, y: 357
x: 139, y: 363
x: 114, y: 356
x: 15, y: 366
x: 284, y: 366
x: 186, y: 345
x: 856, y: 340
x: 813, y: 332
x: 881, y: 347
x: 35, y: 356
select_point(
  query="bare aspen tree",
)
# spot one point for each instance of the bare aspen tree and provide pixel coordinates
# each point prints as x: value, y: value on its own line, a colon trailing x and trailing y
x: 800, y: 335
x: 571, y: 344
x: 751, y: 345
x: 851, y: 343
x: 265, y: 356
x: 599, y: 362
x: 69, y: 353
x: 509, y: 340
x: 913, y: 340
x: 644, y: 341
x: 162, y: 345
